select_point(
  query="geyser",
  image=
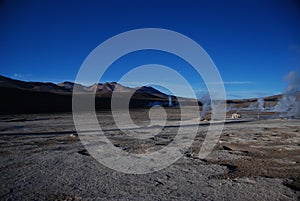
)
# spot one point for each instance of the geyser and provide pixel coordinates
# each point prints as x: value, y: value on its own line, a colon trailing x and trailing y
x: 288, y: 105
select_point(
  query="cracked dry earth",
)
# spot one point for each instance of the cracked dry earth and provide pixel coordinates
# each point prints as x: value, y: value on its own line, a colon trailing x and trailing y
x: 42, y: 158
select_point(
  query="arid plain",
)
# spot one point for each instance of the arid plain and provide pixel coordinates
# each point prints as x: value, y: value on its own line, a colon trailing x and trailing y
x: 42, y: 158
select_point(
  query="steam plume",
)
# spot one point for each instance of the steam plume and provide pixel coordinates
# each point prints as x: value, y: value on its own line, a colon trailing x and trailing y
x: 260, y: 107
x: 170, y: 101
x: 206, y: 105
x: 288, y: 105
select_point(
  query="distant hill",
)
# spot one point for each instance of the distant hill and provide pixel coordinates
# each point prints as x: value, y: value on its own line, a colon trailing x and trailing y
x: 43, y: 97
x: 274, y: 98
x: 67, y: 87
x: 36, y: 97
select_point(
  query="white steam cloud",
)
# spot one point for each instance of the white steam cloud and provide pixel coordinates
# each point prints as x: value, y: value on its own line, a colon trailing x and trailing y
x: 289, y: 105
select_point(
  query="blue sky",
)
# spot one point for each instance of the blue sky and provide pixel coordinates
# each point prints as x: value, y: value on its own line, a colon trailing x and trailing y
x: 253, y: 43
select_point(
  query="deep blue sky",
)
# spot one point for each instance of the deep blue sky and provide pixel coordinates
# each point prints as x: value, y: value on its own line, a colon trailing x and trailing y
x: 253, y: 43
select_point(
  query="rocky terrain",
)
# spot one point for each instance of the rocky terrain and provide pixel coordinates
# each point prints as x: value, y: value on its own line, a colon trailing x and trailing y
x: 42, y: 158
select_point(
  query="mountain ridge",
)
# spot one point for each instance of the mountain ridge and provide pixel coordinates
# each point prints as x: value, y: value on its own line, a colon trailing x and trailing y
x: 42, y: 97
x: 67, y: 87
x: 45, y: 97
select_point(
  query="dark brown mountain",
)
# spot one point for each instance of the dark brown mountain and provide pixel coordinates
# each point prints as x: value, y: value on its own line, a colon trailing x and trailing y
x: 36, y: 97
x: 44, y: 97
x: 6, y: 82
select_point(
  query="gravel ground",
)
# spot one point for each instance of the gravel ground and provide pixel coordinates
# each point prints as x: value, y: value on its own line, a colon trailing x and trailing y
x: 42, y: 158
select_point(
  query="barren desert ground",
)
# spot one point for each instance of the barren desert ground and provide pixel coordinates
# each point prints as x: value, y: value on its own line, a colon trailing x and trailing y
x: 42, y: 158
